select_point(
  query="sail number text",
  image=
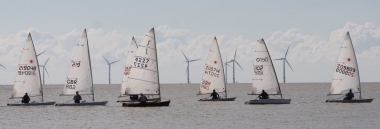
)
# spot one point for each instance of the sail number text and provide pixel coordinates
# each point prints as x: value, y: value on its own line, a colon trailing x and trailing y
x: 75, y: 64
x: 212, y: 71
x: 205, y: 84
x: 71, y: 83
x: 258, y: 70
x: 346, y: 70
x: 141, y: 62
x: 127, y: 70
x: 27, y: 70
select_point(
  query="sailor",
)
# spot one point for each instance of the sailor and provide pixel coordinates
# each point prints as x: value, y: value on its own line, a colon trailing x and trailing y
x: 77, y: 98
x: 263, y: 95
x: 25, y: 99
x: 214, y: 95
x: 143, y: 99
x: 349, y: 95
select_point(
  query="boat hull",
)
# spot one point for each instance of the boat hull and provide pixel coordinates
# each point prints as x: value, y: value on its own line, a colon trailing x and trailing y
x: 350, y: 101
x: 101, y: 103
x: 148, y: 104
x: 153, y: 99
x: 269, y: 101
x: 31, y: 104
x: 219, y: 99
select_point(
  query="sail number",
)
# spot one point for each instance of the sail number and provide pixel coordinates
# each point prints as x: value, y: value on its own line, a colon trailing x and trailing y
x: 346, y: 70
x: 141, y: 62
x: 75, y: 64
x: 71, y: 83
x: 127, y: 70
x: 205, y: 84
x: 258, y: 70
x: 27, y: 70
x: 212, y: 71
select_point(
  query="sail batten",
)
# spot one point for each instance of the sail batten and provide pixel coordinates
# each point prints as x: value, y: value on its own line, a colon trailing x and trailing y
x: 264, y: 75
x: 213, y: 75
x: 28, y: 78
x: 346, y: 75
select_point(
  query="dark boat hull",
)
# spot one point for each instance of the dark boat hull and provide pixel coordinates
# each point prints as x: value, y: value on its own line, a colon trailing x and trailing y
x: 101, y: 103
x: 219, y: 99
x: 350, y: 101
x: 269, y: 101
x: 148, y: 104
x: 31, y: 104
x: 153, y: 99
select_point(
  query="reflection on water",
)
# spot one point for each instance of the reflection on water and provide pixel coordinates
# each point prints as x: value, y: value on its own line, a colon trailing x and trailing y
x: 307, y: 110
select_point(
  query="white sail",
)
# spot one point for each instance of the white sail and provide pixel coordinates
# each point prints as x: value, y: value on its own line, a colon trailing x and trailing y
x: 346, y: 75
x: 128, y: 64
x: 264, y: 75
x: 144, y: 77
x: 28, y: 74
x: 80, y: 76
x: 213, y: 76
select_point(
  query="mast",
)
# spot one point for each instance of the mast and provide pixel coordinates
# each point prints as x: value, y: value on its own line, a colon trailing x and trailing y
x: 89, y: 59
x: 158, y: 77
x: 360, y: 88
x: 42, y: 93
x: 220, y: 56
x: 274, y: 69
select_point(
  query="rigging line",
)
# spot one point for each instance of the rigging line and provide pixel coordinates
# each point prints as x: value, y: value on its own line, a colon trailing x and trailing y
x: 147, y: 47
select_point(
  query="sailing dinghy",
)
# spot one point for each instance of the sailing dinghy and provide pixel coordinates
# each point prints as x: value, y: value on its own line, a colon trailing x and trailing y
x: 213, y: 76
x: 80, y: 75
x: 346, y: 75
x: 28, y: 78
x: 264, y: 77
x: 144, y: 75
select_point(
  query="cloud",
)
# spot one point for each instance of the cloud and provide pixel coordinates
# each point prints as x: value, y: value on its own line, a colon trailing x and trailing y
x: 166, y: 31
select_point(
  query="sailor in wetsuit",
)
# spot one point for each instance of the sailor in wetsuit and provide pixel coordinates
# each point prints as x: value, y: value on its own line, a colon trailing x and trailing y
x: 77, y: 98
x: 143, y: 99
x: 214, y: 95
x: 263, y: 95
x: 25, y: 99
x: 349, y: 95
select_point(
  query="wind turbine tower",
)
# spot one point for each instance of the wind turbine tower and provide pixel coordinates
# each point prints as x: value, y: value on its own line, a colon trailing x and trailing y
x: 43, y: 71
x: 284, y: 60
x: 233, y: 66
x: 109, y: 69
x: 187, y: 69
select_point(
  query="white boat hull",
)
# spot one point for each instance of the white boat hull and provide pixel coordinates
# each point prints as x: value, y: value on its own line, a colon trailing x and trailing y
x: 101, y: 103
x: 350, y: 101
x: 269, y: 101
x: 31, y: 104
x: 219, y: 99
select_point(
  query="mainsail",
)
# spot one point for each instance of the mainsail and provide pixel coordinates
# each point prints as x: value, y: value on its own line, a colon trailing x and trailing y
x: 28, y: 74
x: 346, y: 74
x: 264, y: 75
x: 80, y: 74
x: 213, y: 76
x: 128, y: 65
x: 144, y: 76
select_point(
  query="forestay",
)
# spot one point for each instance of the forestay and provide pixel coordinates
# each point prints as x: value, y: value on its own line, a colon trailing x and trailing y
x: 264, y: 75
x: 213, y: 76
x: 128, y: 65
x: 80, y: 76
x: 346, y: 74
x: 28, y: 74
x: 144, y: 76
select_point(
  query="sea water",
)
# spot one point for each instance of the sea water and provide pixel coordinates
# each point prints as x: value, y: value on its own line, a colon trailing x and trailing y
x: 307, y: 109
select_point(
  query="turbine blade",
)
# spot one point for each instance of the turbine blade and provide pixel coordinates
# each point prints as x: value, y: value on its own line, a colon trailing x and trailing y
x: 239, y: 65
x: 194, y: 60
x: 46, y: 61
x: 46, y: 71
x: 184, y: 55
x: 41, y: 53
x: 3, y: 66
x: 287, y: 51
x: 289, y: 65
x: 106, y: 60
x: 114, y: 62
x: 235, y: 53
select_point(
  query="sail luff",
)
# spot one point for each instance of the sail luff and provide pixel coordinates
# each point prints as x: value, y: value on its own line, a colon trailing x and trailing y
x: 275, y: 74
x: 357, y: 66
x: 35, y: 54
x: 158, y: 77
x: 89, y: 61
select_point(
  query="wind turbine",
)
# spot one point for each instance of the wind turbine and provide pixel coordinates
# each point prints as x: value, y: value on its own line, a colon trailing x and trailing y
x: 233, y: 66
x: 3, y: 66
x: 226, y: 64
x: 43, y: 71
x: 284, y: 60
x: 109, y: 69
x: 187, y: 69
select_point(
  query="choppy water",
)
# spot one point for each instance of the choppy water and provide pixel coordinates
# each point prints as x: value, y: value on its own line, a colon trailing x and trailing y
x: 307, y: 110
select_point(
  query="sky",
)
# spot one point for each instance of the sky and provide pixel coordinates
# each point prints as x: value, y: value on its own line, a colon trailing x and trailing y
x: 314, y: 30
